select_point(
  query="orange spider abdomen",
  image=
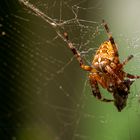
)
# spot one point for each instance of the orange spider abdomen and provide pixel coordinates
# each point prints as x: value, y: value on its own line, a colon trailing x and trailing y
x: 104, y: 56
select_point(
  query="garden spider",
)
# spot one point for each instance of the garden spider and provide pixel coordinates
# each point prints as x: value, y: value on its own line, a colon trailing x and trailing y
x: 107, y: 70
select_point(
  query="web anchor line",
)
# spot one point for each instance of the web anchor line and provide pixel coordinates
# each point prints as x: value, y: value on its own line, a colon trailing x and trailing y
x: 39, y: 13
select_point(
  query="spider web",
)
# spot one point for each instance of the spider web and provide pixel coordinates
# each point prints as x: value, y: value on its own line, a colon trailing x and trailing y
x: 44, y: 93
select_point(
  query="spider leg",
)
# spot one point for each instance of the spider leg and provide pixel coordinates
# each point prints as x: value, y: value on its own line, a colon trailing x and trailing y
x: 108, y: 32
x: 127, y: 60
x: 78, y: 55
x: 111, y: 39
x: 120, y: 66
x: 95, y: 89
x: 132, y: 76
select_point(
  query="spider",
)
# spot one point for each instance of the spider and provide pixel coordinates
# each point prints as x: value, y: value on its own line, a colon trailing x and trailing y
x: 107, y: 70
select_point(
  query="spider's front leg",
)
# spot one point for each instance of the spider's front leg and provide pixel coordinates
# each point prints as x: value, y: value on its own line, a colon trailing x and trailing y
x: 78, y: 55
x: 109, y: 33
x: 111, y: 39
x: 95, y: 88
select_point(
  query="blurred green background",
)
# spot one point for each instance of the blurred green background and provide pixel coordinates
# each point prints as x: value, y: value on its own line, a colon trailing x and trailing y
x: 44, y: 95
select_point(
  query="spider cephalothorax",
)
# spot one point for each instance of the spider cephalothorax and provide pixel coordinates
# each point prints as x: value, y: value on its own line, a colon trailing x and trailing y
x: 107, y: 70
